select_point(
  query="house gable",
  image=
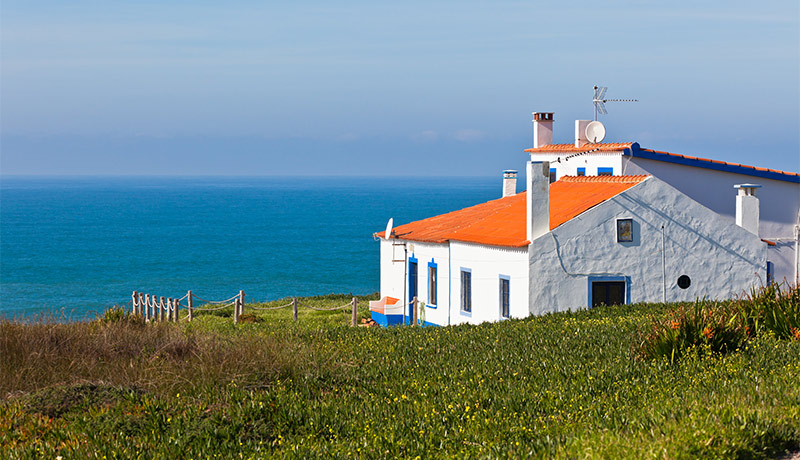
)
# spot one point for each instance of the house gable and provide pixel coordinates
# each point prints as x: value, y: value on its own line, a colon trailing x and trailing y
x: 720, y: 258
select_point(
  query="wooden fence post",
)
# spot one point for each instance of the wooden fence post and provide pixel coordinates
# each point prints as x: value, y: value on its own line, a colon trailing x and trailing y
x: 241, y: 303
x: 133, y: 302
x: 294, y: 308
x: 170, y: 309
x: 354, y: 317
x: 147, y: 307
x: 236, y: 311
x: 176, y: 304
x: 161, y: 309
x: 189, y: 303
x: 141, y: 304
x: 414, y: 313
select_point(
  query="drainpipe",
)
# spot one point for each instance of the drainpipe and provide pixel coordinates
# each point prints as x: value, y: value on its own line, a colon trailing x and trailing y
x: 797, y: 252
x: 663, y: 268
x: 449, y: 283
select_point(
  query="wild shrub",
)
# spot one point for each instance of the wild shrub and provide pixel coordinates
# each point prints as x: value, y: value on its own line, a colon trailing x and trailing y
x: 723, y: 326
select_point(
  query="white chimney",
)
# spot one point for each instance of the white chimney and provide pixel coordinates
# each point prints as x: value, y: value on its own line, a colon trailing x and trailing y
x: 509, y: 183
x: 538, y: 199
x: 747, y: 212
x: 580, y: 132
x: 542, y: 129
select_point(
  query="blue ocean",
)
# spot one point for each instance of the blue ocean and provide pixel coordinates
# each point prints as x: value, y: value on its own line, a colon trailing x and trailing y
x: 75, y: 246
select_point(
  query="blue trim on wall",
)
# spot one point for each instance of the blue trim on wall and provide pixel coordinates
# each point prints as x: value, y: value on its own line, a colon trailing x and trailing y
x: 500, y: 296
x: 461, y: 300
x: 637, y: 152
x: 626, y: 279
x: 433, y: 264
x: 429, y: 324
x: 605, y: 170
x: 407, y: 310
x: 386, y: 320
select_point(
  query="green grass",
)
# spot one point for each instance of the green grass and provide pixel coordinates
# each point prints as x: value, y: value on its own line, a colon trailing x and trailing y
x: 569, y: 385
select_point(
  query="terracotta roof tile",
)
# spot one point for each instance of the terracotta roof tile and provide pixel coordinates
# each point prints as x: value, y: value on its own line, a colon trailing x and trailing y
x: 570, y: 148
x: 502, y: 222
x: 605, y: 179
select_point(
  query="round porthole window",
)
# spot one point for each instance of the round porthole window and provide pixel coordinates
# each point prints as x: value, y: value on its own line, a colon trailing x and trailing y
x: 684, y: 281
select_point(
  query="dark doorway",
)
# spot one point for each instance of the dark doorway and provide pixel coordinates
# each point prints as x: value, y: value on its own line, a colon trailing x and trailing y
x: 412, y: 288
x: 608, y: 293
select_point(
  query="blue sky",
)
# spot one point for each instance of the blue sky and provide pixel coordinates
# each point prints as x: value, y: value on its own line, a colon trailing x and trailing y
x: 400, y: 88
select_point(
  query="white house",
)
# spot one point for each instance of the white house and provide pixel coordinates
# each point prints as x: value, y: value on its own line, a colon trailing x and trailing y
x: 575, y: 243
x: 709, y: 182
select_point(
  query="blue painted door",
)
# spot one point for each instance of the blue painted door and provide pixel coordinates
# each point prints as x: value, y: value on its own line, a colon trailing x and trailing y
x: 412, y: 288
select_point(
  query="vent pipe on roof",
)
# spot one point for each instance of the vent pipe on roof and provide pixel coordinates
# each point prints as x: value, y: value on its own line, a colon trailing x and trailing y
x: 542, y: 129
x: 747, y: 212
x: 538, y: 199
x: 509, y: 183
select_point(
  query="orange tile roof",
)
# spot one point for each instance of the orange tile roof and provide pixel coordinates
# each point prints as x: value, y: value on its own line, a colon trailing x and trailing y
x: 501, y: 222
x: 570, y: 148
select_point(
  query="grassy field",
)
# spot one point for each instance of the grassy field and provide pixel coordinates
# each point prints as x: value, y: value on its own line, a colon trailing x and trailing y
x: 574, y: 385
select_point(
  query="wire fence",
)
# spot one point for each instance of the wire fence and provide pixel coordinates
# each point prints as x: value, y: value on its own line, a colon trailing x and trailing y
x: 159, y: 309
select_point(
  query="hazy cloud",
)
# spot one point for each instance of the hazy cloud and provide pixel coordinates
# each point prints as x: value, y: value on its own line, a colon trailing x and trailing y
x: 428, y: 135
x: 469, y: 135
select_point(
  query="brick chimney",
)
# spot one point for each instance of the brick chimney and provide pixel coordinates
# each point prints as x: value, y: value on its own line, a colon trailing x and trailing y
x: 747, y: 207
x: 538, y: 199
x: 542, y: 129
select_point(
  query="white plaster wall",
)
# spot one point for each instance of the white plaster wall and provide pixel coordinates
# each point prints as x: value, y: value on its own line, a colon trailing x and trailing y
x: 569, y: 167
x: 487, y: 264
x: 438, y: 253
x: 779, y: 201
x: 392, y: 273
x: 721, y: 259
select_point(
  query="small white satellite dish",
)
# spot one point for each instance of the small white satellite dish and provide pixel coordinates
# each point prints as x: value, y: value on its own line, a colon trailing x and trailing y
x: 595, y: 132
x: 389, y: 228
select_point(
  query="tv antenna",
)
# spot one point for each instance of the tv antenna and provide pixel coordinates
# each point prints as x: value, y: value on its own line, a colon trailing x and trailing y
x: 600, y: 100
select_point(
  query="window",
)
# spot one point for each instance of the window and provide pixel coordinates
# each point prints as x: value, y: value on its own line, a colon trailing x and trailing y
x: 624, y: 230
x: 581, y: 171
x: 552, y: 175
x: 466, y: 291
x: 432, y: 284
x: 605, y: 171
x: 608, y: 293
x: 505, y: 285
x: 608, y: 290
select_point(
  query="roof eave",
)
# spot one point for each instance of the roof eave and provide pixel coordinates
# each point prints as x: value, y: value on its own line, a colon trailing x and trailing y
x: 648, y: 154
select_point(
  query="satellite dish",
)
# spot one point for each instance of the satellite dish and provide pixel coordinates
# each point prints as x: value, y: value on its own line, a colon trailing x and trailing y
x: 389, y: 228
x: 595, y: 132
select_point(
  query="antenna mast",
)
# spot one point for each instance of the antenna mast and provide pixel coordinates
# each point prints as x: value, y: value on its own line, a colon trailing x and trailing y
x: 600, y: 101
